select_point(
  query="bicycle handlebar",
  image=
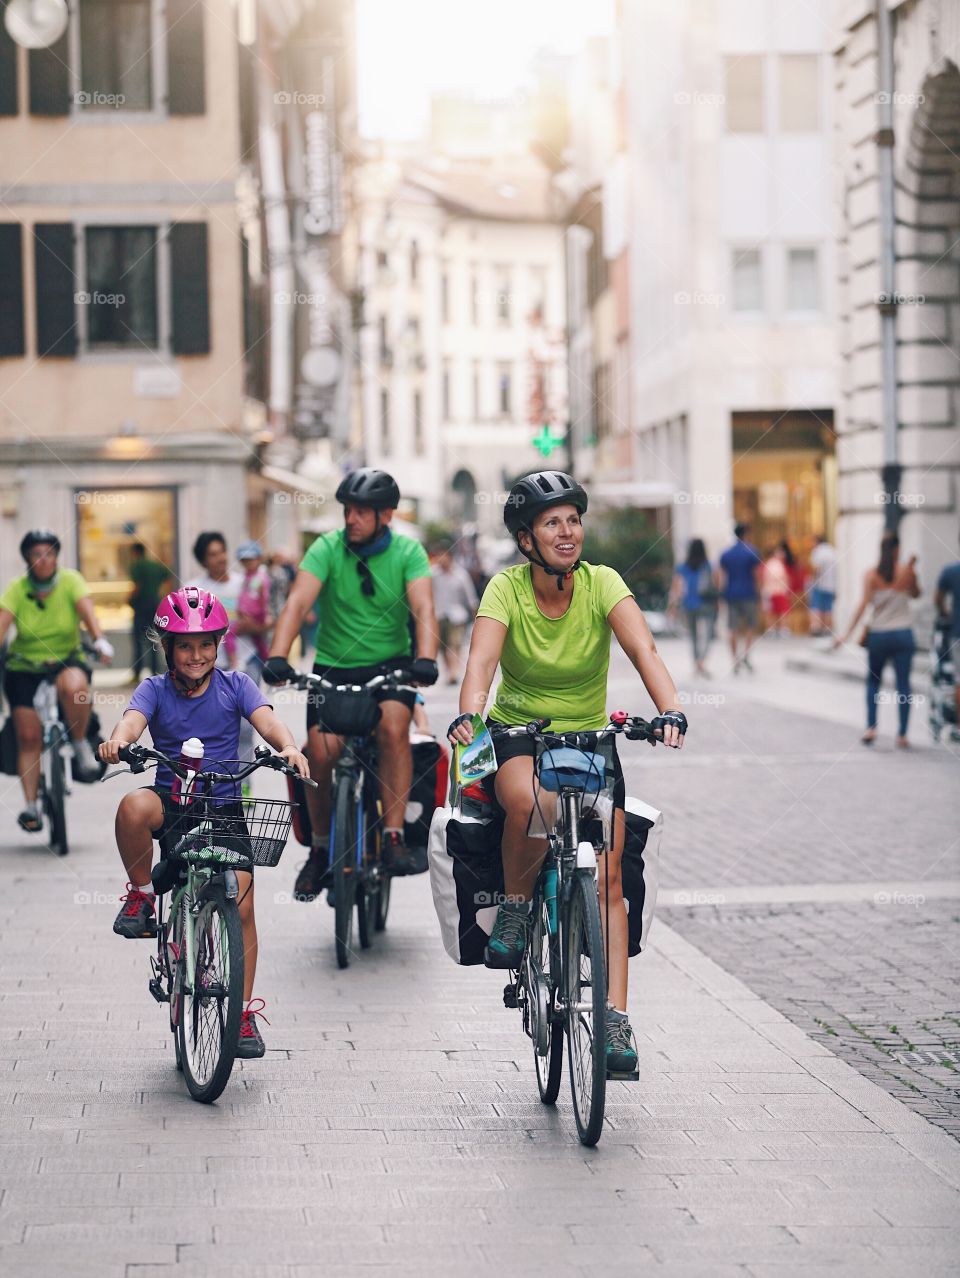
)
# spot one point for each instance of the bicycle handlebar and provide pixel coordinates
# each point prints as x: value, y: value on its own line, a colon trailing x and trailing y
x: 632, y: 726
x: 304, y: 682
x: 137, y: 757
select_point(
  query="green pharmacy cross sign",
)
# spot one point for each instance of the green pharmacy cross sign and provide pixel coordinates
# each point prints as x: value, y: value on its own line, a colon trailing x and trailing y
x: 547, y: 441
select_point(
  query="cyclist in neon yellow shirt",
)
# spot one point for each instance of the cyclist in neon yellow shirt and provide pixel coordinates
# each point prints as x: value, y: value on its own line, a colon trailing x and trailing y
x: 47, y: 605
x: 368, y: 584
x: 548, y: 625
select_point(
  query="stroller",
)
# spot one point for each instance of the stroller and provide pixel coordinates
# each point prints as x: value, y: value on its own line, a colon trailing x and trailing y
x: 943, y: 706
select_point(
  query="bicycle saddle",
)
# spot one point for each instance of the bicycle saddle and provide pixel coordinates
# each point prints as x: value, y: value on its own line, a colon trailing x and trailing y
x: 566, y: 766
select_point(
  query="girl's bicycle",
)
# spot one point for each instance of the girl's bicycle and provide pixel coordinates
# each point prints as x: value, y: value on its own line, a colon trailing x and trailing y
x: 358, y: 875
x: 561, y: 986
x: 198, y: 968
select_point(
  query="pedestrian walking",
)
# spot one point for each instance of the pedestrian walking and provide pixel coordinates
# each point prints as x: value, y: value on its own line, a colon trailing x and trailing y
x: 150, y: 580
x: 456, y: 604
x: 282, y: 573
x: 775, y: 586
x: 694, y: 591
x: 823, y: 561
x: 948, y: 588
x: 210, y: 552
x: 253, y: 623
x: 887, y: 591
x: 741, y: 567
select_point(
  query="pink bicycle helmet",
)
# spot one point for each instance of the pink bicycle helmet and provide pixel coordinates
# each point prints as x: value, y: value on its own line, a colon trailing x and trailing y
x: 191, y: 611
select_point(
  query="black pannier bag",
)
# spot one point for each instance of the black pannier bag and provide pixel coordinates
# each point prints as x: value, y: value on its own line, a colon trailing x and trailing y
x: 428, y: 790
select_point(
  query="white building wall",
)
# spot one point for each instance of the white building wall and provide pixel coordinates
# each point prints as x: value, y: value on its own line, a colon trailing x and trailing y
x: 698, y: 193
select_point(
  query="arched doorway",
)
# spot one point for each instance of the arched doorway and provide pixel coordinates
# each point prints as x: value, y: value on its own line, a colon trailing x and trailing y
x: 464, y: 498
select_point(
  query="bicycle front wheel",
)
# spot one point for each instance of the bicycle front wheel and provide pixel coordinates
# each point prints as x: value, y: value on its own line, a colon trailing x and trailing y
x: 210, y: 1010
x: 344, y: 869
x: 55, y: 799
x: 585, y: 984
x: 548, y: 1036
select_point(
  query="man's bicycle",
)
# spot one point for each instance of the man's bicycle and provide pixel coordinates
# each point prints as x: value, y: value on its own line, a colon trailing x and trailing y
x: 358, y: 877
x: 561, y: 987
x: 198, y: 968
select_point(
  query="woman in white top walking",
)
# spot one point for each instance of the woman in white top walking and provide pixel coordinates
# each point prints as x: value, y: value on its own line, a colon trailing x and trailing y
x: 887, y: 590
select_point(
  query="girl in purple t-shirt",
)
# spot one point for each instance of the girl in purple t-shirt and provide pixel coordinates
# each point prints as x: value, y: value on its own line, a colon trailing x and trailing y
x: 193, y: 699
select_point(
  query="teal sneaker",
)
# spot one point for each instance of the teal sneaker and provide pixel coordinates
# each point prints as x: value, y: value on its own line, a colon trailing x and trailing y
x: 621, y: 1048
x: 509, y: 937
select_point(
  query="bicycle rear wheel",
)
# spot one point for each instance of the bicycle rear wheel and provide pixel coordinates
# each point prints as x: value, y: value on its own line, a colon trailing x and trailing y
x: 210, y: 1012
x: 585, y: 985
x: 548, y: 1037
x: 368, y: 888
x: 344, y: 869
x: 55, y: 798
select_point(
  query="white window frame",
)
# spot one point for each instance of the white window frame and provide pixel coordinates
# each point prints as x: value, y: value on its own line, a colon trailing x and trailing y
x: 135, y: 353
x: 817, y: 248
x: 158, y: 111
x: 734, y: 248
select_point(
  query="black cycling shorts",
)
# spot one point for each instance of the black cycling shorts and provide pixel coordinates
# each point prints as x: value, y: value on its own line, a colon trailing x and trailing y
x: 178, y: 821
x: 523, y: 747
x: 20, y: 686
x: 358, y: 674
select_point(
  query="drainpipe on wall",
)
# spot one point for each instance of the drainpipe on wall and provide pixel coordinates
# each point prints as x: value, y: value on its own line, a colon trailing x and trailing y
x: 887, y: 304
x: 279, y: 264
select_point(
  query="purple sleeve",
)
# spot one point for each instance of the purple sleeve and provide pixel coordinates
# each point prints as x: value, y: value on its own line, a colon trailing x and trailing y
x: 145, y: 698
x: 249, y: 696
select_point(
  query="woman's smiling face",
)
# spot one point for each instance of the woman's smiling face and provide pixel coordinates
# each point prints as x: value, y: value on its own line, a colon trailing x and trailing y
x: 559, y: 534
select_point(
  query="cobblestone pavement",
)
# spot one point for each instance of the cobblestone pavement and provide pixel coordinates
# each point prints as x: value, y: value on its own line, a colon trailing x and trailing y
x: 393, y: 1125
x: 767, y: 797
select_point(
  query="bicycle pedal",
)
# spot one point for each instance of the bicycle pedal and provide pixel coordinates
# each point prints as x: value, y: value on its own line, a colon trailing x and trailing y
x: 510, y: 998
x: 158, y: 992
x: 623, y: 1076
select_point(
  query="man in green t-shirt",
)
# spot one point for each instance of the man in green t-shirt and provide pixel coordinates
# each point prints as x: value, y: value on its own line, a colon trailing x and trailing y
x: 149, y: 581
x: 47, y: 605
x: 367, y: 584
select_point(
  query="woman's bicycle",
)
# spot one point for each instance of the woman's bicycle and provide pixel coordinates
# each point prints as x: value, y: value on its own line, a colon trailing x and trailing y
x: 357, y: 872
x: 561, y: 987
x: 198, y: 968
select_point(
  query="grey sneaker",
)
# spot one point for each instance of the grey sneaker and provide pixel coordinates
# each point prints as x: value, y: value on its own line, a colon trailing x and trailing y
x: 509, y: 937
x: 621, y: 1049
x: 250, y: 1046
x: 137, y: 917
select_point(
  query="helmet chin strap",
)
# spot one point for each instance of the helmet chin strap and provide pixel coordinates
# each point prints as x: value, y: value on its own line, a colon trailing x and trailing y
x: 560, y: 573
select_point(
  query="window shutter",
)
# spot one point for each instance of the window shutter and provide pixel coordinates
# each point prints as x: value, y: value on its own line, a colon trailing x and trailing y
x: 11, y: 289
x: 56, y: 286
x: 50, y: 79
x: 8, y: 68
x: 189, y: 296
x: 185, y: 61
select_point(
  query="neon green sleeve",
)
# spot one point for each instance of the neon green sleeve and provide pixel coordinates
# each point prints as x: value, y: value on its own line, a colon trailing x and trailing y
x: 317, y: 559
x: 416, y: 563
x: 12, y: 597
x: 497, y: 601
x: 611, y: 589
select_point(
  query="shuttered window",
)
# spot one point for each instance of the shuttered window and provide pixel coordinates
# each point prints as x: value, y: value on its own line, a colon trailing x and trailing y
x: 121, y: 287
x: 185, y: 55
x: 8, y: 69
x: 11, y: 289
x: 56, y: 288
x: 115, y: 55
x: 49, y: 73
x: 189, y: 293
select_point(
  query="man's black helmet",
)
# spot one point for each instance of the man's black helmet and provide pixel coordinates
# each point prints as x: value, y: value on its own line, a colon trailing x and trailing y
x: 533, y: 494
x: 39, y: 537
x: 369, y: 487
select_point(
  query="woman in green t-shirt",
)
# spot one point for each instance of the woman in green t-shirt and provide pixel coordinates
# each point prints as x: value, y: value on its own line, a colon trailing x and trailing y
x: 548, y: 624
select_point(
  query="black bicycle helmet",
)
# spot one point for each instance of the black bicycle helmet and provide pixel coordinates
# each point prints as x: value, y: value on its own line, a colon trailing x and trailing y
x: 369, y: 487
x: 535, y: 493
x: 39, y: 537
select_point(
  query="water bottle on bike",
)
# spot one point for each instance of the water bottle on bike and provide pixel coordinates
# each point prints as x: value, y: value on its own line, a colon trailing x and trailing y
x: 191, y: 757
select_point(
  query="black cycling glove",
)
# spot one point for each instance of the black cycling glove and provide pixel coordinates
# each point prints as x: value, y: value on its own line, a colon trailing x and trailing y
x: 461, y: 718
x: 676, y: 718
x: 424, y: 671
x: 278, y: 670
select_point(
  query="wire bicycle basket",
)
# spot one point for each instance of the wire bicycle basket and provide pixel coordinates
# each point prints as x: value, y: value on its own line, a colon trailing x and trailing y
x: 230, y: 831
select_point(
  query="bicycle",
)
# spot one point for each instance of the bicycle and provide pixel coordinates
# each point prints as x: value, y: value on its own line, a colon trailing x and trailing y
x: 358, y: 876
x: 199, y: 965
x: 561, y: 986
